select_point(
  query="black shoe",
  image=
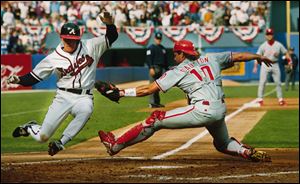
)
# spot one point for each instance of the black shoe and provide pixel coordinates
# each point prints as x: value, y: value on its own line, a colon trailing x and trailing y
x: 23, y: 130
x: 156, y: 105
x: 55, y: 147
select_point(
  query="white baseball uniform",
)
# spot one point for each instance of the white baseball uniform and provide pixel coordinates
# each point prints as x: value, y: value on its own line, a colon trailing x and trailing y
x: 75, y: 71
x: 272, y: 52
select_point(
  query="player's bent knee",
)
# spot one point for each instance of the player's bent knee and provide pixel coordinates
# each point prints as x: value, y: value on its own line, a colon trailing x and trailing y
x: 86, y: 111
x: 155, y: 115
x: 44, y: 138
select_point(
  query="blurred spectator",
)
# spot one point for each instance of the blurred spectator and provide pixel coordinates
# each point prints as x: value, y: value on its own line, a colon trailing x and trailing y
x: 175, y: 19
x: 4, y: 43
x: 21, y: 14
x: 85, y: 11
x: 20, y: 48
x: 238, y: 17
x: 166, y: 19
x: 72, y: 13
x: 12, y: 42
x: 261, y: 22
x: 226, y: 17
x: 208, y: 18
x: 218, y: 15
x: 254, y: 18
x: 193, y: 10
x: 35, y: 44
x: 8, y: 18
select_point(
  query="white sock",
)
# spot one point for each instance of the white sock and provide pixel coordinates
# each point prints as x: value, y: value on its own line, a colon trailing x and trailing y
x: 34, y: 131
x: 234, y: 146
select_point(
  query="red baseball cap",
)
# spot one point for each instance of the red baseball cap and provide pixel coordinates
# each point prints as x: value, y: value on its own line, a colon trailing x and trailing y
x: 269, y: 31
x: 186, y: 47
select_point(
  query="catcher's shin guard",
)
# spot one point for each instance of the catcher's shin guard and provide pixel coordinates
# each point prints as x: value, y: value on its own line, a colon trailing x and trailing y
x: 108, y: 140
x: 139, y: 132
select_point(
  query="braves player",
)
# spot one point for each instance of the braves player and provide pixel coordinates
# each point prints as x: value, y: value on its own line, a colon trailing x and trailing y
x: 272, y: 50
x: 75, y: 62
x: 200, y: 78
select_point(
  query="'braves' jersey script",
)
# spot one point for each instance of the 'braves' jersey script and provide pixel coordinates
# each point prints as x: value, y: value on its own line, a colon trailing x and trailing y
x: 200, y: 79
x: 271, y: 51
x: 76, y: 70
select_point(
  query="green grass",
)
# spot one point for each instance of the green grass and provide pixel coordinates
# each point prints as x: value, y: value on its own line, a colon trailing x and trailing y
x: 277, y: 129
x: 107, y: 115
x: 251, y: 91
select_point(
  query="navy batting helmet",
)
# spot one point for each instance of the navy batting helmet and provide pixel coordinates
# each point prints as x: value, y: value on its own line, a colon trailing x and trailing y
x: 70, y: 31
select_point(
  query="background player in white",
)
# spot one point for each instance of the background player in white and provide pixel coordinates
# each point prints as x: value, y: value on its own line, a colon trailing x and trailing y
x: 200, y: 78
x: 75, y: 62
x: 272, y: 50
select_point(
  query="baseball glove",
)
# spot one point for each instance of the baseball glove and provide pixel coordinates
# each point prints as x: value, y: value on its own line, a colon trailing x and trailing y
x: 108, y: 90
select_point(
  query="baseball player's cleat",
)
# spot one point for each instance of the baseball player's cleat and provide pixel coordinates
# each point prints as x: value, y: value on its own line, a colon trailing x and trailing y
x: 156, y: 106
x: 259, y: 156
x: 108, y: 139
x: 54, y: 147
x: 22, y: 130
x: 282, y: 103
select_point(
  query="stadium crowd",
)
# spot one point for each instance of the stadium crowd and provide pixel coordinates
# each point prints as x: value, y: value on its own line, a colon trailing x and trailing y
x: 15, y: 15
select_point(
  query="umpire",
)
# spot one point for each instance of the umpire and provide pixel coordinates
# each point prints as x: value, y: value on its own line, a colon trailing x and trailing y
x: 290, y: 69
x: 157, y: 62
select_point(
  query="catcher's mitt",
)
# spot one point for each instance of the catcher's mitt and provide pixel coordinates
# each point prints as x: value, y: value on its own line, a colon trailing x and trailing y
x: 108, y: 90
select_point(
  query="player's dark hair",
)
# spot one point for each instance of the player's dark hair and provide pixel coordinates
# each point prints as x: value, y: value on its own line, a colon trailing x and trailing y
x: 192, y: 57
x: 188, y: 56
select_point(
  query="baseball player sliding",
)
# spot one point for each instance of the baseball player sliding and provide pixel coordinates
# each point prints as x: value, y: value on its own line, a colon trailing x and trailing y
x: 272, y: 50
x: 75, y: 62
x: 200, y: 78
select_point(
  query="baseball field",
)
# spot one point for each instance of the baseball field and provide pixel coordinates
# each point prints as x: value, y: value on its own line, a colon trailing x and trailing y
x: 181, y: 155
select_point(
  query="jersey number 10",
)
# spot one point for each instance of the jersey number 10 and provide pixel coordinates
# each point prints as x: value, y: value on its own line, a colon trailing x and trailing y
x: 206, y: 70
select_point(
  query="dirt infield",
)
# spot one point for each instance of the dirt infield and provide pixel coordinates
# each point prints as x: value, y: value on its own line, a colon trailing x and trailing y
x: 199, y: 162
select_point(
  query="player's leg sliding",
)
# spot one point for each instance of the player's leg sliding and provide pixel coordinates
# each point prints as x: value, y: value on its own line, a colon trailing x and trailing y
x: 223, y: 143
x: 134, y: 135
x: 236, y: 148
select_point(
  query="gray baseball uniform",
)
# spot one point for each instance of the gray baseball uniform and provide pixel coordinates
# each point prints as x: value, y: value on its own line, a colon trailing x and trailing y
x: 272, y: 52
x: 201, y: 81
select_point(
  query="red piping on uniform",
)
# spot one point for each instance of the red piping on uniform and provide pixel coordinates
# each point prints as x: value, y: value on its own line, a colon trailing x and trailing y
x: 180, y: 113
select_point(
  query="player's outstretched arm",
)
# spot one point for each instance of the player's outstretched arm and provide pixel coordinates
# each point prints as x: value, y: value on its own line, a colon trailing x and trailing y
x: 25, y: 80
x: 247, y: 56
x: 140, y: 91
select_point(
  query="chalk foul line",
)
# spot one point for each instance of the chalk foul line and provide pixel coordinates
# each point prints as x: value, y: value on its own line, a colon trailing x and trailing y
x: 214, y: 178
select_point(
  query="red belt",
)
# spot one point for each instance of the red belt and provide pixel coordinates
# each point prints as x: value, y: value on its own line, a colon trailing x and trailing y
x: 205, y: 102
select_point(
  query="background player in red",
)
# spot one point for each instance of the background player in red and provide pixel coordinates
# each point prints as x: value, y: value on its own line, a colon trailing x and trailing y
x: 272, y: 50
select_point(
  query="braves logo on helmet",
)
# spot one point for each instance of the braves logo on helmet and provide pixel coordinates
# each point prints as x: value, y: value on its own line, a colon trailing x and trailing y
x: 70, y: 31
